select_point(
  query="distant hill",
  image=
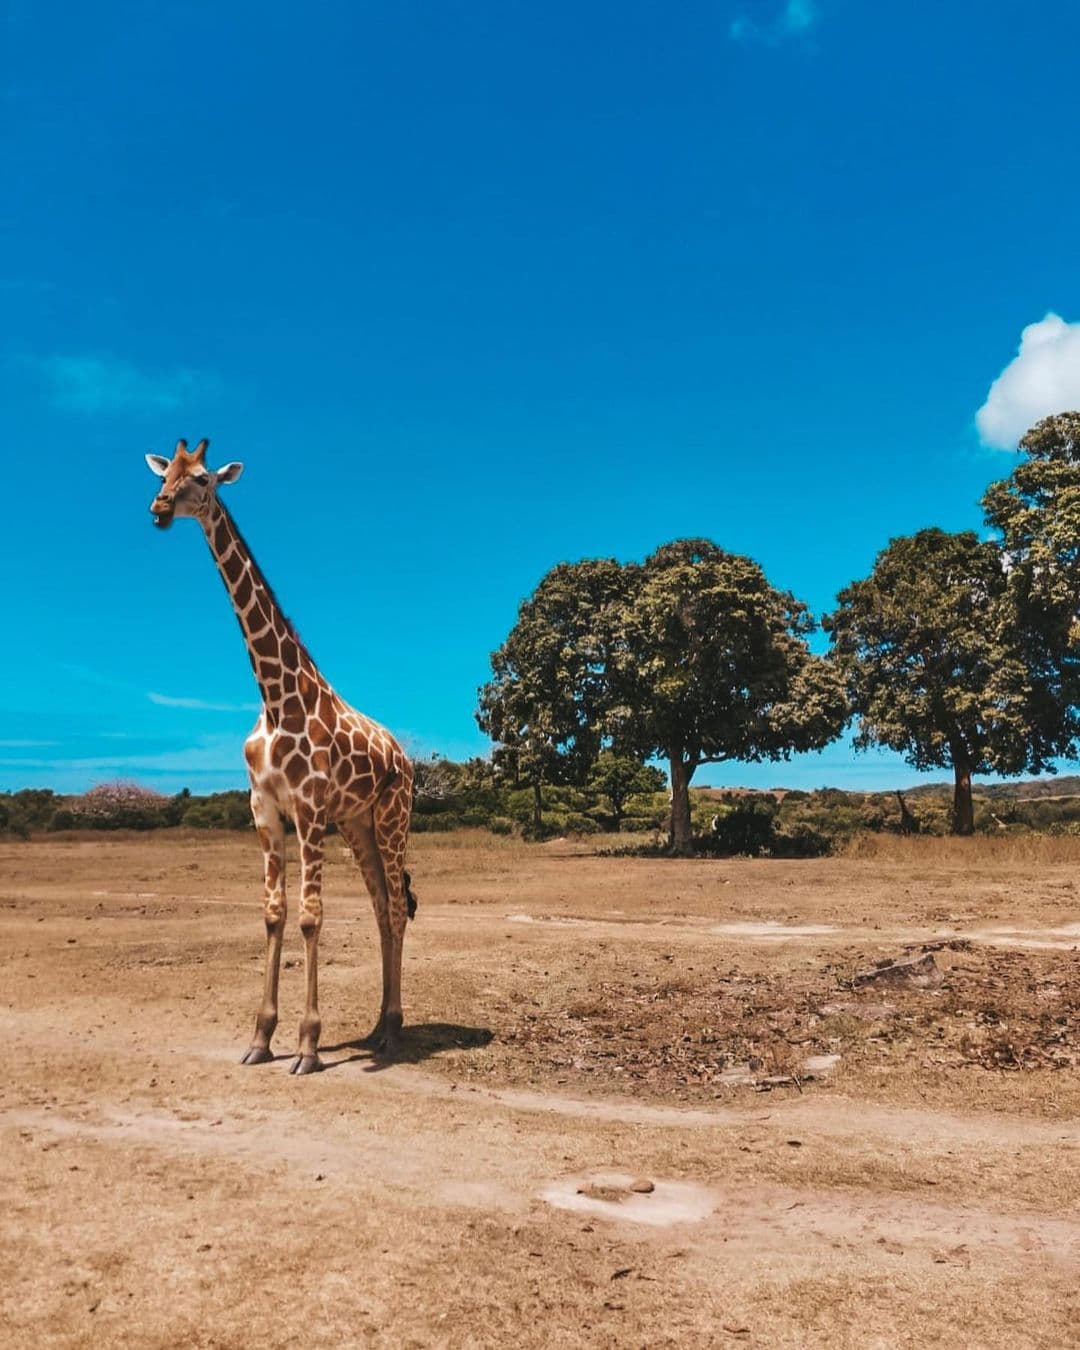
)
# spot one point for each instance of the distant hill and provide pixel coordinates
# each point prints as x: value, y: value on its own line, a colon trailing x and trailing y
x: 1026, y: 789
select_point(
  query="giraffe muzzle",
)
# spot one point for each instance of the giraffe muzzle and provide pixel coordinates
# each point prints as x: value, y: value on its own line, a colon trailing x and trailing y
x: 162, y: 511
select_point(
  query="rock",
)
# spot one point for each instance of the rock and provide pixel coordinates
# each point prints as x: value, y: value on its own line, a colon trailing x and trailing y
x: 593, y: 1191
x: 642, y: 1186
x: 918, y: 972
x: 775, y: 1081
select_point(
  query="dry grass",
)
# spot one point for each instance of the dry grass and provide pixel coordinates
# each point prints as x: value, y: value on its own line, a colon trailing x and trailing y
x: 981, y: 851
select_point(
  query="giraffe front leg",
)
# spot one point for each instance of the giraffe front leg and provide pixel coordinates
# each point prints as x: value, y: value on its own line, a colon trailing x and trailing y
x: 311, y: 831
x: 271, y: 831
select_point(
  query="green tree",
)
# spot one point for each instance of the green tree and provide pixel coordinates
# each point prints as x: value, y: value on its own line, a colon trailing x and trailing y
x: 713, y: 665
x: 1037, y: 512
x: 934, y: 668
x: 546, y: 705
x: 620, y: 777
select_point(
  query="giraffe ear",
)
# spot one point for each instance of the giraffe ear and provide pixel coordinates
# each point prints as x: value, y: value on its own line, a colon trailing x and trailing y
x: 229, y: 473
x: 158, y: 464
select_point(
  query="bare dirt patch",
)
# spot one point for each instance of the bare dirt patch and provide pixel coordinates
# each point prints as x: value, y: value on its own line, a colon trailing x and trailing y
x: 690, y: 1036
x: 920, y: 1187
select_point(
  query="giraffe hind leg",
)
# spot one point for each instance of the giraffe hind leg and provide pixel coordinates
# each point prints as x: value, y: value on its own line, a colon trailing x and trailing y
x: 360, y: 836
x: 391, y: 814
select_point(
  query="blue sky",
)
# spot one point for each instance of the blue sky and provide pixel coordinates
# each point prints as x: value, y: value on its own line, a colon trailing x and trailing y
x: 473, y: 289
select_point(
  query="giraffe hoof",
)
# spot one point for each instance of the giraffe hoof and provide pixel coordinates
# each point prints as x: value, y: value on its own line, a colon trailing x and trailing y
x: 306, y: 1064
x: 258, y: 1054
x: 389, y: 1045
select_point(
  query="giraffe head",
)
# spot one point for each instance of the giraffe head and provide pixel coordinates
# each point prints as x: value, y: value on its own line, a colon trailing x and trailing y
x: 188, y: 486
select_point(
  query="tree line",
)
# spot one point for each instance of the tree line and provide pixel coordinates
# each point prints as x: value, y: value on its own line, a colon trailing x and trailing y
x: 620, y: 798
x: 958, y: 652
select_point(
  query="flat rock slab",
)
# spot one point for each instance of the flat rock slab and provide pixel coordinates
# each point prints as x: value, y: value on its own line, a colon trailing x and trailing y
x: 917, y: 972
x: 619, y: 1196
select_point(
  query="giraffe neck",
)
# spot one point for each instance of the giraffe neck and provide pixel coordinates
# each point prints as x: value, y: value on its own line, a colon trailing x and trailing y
x: 278, y: 657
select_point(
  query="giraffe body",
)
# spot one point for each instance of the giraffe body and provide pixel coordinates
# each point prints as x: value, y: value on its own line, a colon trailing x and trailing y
x: 311, y: 758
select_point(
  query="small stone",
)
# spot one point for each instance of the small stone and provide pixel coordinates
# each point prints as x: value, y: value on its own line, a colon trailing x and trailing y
x: 642, y: 1186
x: 612, y: 1194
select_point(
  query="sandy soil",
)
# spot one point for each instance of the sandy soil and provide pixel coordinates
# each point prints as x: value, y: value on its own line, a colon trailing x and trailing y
x: 644, y: 1103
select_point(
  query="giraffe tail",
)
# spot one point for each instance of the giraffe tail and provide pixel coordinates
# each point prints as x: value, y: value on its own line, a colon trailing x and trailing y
x: 410, y: 898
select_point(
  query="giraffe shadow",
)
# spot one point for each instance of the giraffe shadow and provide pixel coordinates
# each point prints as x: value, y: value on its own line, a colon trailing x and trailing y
x: 420, y: 1041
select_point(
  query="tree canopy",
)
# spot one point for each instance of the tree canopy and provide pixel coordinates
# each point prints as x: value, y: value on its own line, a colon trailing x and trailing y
x: 714, y: 665
x: 1037, y: 512
x: 620, y: 777
x: 547, y: 705
x: 691, y: 656
x: 934, y: 664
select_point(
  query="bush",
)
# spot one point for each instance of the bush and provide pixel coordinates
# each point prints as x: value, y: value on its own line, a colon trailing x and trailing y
x: 219, y: 811
x: 576, y: 823
x: 27, y: 810
x: 442, y: 823
x: 802, y: 841
x: 747, y: 828
x: 501, y: 825
x: 119, y: 806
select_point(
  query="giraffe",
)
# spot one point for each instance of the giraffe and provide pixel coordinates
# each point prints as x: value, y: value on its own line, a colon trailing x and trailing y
x: 310, y: 757
x: 909, y: 823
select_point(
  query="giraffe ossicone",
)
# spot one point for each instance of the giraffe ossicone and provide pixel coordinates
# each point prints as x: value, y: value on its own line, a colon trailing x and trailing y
x: 312, y: 758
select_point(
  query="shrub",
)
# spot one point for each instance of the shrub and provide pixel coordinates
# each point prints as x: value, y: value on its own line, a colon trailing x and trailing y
x: 219, y: 811
x: 746, y: 827
x: 577, y: 823
x: 638, y: 824
x: 802, y: 841
x: 27, y: 810
x: 437, y: 824
x: 119, y: 806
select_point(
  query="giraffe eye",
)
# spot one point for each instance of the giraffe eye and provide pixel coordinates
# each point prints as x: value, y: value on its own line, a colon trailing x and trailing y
x: 201, y: 478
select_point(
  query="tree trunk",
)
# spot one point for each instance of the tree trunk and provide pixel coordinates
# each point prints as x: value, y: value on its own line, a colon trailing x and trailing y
x: 963, y: 813
x: 682, y: 833
x: 538, y: 808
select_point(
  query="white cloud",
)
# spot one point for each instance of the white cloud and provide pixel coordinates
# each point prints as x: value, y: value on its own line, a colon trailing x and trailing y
x: 200, y: 704
x: 1043, y: 378
x: 794, y: 18
x: 96, y: 384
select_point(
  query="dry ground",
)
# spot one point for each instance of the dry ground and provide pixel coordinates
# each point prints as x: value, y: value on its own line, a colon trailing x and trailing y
x: 576, y: 1022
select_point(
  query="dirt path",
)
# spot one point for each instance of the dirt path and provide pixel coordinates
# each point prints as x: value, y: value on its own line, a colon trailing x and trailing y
x: 1065, y: 937
x: 161, y: 1195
